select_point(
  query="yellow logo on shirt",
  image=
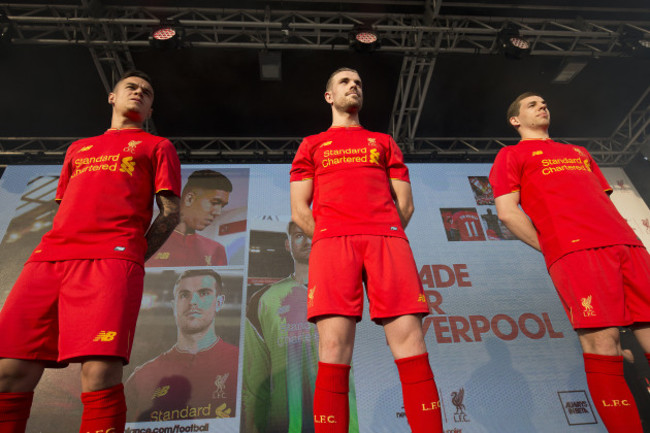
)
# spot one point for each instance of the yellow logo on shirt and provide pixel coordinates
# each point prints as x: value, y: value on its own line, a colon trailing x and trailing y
x: 537, y: 152
x: 422, y: 298
x: 587, y: 308
x: 105, y: 336
x: 208, y: 260
x: 128, y: 165
x: 310, y: 297
x: 222, y: 411
x: 327, y: 143
x: 579, y: 151
x: 372, y: 141
x: 83, y: 149
x: 160, y: 392
x: 130, y: 147
x: 374, y: 156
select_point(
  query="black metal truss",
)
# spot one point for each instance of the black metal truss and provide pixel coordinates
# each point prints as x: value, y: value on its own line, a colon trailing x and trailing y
x: 109, y: 32
x: 605, y: 150
x: 130, y: 26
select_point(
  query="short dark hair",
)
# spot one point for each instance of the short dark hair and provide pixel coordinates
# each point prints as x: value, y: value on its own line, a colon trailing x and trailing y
x: 292, y: 226
x: 513, y: 109
x: 207, y: 179
x: 343, y: 69
x: 134, y: 73
x: 199, y: 273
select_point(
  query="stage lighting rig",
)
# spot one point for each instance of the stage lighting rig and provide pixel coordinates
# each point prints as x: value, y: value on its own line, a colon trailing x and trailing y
x: 511, y: 43
x: 166, y: 35
x: 364, y: 39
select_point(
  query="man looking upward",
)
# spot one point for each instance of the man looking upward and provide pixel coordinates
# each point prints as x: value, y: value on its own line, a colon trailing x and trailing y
x: 84, y: 280
x: 362, y: 201
x: 599, y: 267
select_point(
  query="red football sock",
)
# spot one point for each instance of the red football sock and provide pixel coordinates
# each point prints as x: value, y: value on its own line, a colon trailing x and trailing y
x: 421, y: 400
x: 331, y: 404
x: 14, y: 411
x: 104, y: 410
x: 610, y: 393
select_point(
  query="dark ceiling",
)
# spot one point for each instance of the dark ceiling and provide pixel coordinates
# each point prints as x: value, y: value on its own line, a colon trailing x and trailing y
x: 57, y: 91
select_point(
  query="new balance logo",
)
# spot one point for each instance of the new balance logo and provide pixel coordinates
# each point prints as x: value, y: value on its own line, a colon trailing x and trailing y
x: 105, y: 336
x: 160, y: 392
x: 128, y: 165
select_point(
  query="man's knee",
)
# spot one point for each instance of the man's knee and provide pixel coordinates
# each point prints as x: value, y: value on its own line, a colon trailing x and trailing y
x: 100, y: 374
x: 601, y: 341
x: 17, y: 375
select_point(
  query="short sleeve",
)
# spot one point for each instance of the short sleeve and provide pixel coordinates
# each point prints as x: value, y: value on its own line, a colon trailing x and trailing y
x: 302, y: 167
x: 66, y: 173
x: 505, y: 175
x: 599, y: 175
x: 395, y: 166
x: 167, y: 168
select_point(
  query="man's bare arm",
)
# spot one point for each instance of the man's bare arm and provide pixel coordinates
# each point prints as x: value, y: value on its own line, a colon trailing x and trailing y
x: 515, y: 219
x: 301, y: 214
x: 165, y: 222
x: 403, y: 196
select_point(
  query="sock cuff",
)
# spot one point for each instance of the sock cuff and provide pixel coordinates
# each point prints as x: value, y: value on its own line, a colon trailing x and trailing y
x: 333, y: 377
x: 414, y: 369
x: 15, y: 406
x: 105, y: 402
x: 603, y: 364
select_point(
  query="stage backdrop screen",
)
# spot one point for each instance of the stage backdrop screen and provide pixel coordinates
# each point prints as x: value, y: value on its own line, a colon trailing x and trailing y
x: 502, y: 350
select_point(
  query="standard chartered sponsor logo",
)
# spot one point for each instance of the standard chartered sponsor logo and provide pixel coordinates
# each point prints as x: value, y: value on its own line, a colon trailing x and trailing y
x: 559, y: 165
x: 295, y: 333
x: 103, y: 163
x: 96, y: 163
x: 340, y: 156
x: 128, y: 165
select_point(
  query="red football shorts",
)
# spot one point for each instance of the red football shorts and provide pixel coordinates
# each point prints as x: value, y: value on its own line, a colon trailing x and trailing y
x: 59, y: 311
x: 603, y: 287
x: 338, y: 267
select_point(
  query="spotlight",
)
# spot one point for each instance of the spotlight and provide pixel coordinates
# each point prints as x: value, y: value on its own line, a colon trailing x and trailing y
x: 270, y: 65
x: 635, y: 42
x: 364, y: 39
x: 511, y: 43
x: 166, y: 35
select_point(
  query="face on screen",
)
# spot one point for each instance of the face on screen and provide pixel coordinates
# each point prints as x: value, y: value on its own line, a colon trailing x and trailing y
x: 203, y: 206
x: 299, y: 245
x: 195, y: 303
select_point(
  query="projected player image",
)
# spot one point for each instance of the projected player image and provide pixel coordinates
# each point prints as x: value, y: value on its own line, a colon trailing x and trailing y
x: 462, y: 224
x: 186, y: 349
x: 212, y: 230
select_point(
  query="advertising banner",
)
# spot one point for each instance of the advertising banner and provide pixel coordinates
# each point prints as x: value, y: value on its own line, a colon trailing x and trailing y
x: 222, y: 343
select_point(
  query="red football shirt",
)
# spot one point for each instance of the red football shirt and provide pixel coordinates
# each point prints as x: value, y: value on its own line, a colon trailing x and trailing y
x: 189, y: 250
x: 565, y: 195
x: 351, y: 169
x: 180, y: 385
x: 468, y: 224
x: 106, y: 193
